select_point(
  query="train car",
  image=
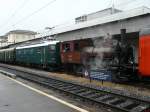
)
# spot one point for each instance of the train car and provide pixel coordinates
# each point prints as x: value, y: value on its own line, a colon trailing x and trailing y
x: 7, y: 55
x: 2, y: 55
x: 71, y: 54
x: 144, y: 53
x: 46, y: 55
x: 10, y: 55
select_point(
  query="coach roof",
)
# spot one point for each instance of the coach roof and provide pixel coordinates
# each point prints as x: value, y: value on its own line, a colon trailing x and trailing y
x: 38, y: 45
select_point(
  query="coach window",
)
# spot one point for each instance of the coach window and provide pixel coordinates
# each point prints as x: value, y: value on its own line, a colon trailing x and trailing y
x: 76, y: 47
x: 52, y: 47
x: 66, y: 47
x: 39, y: 50
x: 31, y: 51
x: 24, y: 51
x: 19, y: 52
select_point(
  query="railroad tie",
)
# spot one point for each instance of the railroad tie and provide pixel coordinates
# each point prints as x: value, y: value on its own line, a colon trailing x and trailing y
x: 140, y: 108
x: 103, y: 97
x: 125, y: 104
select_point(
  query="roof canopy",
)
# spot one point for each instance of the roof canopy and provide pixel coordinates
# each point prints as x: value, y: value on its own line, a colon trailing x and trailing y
x: 102, y: 20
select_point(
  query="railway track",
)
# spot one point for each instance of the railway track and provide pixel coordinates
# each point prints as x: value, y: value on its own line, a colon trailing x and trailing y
x: 108, y: 99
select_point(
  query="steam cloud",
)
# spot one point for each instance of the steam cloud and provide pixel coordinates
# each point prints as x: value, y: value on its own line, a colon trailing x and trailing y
x: 99, y: 53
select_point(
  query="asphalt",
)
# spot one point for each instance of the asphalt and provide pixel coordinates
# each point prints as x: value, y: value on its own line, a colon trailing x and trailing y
x: 17, y: 98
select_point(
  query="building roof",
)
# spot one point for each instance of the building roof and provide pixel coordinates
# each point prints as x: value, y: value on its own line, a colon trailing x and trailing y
x: 21, y: 32
x: 3, y: 37
x: 108, y: 9
x: 97, y: 14
x: 102, y: 20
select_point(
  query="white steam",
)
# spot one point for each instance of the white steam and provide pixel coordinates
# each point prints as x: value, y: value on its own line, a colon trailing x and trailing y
x: 100, y: 53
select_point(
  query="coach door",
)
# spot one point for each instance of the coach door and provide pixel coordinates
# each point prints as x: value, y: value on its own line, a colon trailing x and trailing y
x: 44, y: 57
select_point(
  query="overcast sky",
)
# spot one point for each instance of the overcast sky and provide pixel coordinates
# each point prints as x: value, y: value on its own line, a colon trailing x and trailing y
x: 58, y: 12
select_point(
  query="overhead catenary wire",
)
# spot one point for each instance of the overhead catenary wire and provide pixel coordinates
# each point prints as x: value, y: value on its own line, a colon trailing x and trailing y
x: 38, y: 10
x: 31, y: 14
x: 112, y: 2
x: 46, y: 5
x: 14, y: 13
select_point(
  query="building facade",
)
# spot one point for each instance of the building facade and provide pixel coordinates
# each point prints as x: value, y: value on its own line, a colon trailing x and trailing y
x: 3, y: 38
x: 3, y: 41
x: 16, y: 36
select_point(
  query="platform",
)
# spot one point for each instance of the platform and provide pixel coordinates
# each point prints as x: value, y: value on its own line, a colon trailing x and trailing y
x: 15, y: 97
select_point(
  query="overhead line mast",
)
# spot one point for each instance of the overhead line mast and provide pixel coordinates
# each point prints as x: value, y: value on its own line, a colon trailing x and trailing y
x: 113, y: 6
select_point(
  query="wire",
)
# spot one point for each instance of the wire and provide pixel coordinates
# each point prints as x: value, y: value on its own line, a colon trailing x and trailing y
x: 110, y: 3
x: 49, y: 3
x: 14, y: 13
x: 31, y: 14
x: 38, y: 10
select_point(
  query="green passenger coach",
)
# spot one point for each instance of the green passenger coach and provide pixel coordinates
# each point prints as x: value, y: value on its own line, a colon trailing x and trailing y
x: 7, y: 55
x: 10, y: 55
x: 2, y: 55
x: 45, y: 54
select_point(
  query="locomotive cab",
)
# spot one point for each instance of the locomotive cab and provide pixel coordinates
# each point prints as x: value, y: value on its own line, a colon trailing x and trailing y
x: 72, y: 54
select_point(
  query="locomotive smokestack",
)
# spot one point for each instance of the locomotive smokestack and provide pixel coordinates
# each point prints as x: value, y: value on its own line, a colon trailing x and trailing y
x: 123, y: 35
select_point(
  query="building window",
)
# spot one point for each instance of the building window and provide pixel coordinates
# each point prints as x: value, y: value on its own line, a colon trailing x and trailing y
x: 39, y: 50
x: 19, y: 52
x: 31, y: 51
x: 81, y: 19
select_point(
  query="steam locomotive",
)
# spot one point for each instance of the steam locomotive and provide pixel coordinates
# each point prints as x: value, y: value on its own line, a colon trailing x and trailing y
x: 124, y: 58
x: 109, y: 54
x: 78, y: 56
